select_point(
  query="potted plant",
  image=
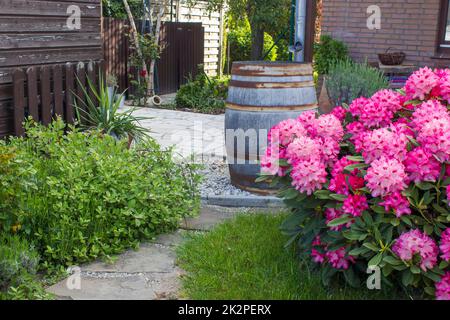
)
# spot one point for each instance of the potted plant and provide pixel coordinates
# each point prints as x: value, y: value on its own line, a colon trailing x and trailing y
x: 102, y: 113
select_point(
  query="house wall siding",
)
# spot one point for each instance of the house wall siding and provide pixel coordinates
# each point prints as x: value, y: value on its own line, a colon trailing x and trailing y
x: 35, y: 32
x: 406, y: 25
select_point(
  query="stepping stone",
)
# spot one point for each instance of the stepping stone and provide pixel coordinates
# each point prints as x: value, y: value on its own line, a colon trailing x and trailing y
x: 148, y: 258
x: 135, y: 287
x: 207, y: 220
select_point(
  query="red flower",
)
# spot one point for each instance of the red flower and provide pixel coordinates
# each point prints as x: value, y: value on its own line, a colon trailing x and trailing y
x: 143, y: 73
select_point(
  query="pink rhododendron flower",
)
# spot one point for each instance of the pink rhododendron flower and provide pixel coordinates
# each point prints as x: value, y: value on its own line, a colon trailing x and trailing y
x: 384, y: 143
x: 331, y: 214
x: 385, y: 176
x: 286, y: 131
x: 308, y: 175
x: 375, y: 115
x: 308, y: 120
x: 420, y: 83
x: 302, y: 148
x: 388, y: 99
x: 357, y: 106
x: 339, y: 259
x: 443, y: 288
x: 435, y: 138
x: 328, y: 126
x: 338, y: 182
x: 329, y: 150
x: 358, y: 132
x: 355, y: 181
x: 355, y: 205
x: 445, y: 245
x: 448, y: 193
x: 421, y: 166
x: 428, y: 111
x: 270, y: 161
x: 317, y: 256
x: 339, y: 112
x: 397, y: 202
x: 417, y: 243
x: 443, y: 89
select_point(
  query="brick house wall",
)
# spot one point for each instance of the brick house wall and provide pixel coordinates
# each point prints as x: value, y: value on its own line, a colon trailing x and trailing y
x: 407, y: 25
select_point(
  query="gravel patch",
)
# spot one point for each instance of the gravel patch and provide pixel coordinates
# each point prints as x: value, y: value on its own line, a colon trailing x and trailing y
x: 217, y: 181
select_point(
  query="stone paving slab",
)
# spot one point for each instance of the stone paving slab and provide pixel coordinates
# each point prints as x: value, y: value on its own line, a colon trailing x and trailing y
x: 144, y: 286
x: 149, y: 258
x: 190, y: 133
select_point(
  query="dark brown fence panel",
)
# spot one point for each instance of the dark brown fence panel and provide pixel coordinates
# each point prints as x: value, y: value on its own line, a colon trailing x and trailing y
x: 116, y: 50
x: 183, y: 52
x: 44, y: 92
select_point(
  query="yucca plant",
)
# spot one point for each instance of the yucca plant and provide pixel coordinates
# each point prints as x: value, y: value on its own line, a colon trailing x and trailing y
x: 101, y: 112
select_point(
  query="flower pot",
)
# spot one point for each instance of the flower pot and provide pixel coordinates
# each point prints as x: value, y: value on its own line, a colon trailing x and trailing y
x: 111, y: 93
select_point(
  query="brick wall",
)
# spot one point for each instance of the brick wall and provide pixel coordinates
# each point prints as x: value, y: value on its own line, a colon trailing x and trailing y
x: 407, y: 25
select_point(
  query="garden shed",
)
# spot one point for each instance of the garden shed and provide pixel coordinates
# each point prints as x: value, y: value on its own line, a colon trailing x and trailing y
x: 421, y: 29
x: 40, y: 32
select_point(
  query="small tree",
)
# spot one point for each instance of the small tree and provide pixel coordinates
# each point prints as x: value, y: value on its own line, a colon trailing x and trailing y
x: 270, y: 16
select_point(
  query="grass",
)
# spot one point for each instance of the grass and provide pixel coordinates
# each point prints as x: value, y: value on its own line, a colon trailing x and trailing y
x: 245, y: 259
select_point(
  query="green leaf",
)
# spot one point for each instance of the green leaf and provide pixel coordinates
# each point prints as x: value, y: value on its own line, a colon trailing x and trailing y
x: 415, y: 269
x: 339, y: 221
x: 371, y: 246
x: 322, y: 194
x: 375, y: 261
x: 407, y: 278
x: 338, y: 197
x: 439, y: 209
x: 355, y: 158
x: 352, y: 167
x: 428, y: 229
x: 263, y: 178
x: 425, y: 186
x: 391, y: 260
x: 430, y: 291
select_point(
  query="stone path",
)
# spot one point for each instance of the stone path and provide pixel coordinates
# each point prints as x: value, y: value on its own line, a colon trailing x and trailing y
x: 190, y: 133
x: 149, y: 273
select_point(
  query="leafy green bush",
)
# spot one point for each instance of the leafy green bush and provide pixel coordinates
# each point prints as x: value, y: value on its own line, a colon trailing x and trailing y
x: 347, y: 81
x: 240, y: 42
x: 18, y: 267
x: 203, y: 94
x: 327, y: 52
x: 89, y: 196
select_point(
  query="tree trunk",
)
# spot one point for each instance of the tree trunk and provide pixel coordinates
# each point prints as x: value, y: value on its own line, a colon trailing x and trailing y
x: 136, y: 40
x: 162, y: 9
x: 257, y: 43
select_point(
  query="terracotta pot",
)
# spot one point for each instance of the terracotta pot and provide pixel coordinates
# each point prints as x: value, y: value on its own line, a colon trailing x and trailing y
x: 325, y: 105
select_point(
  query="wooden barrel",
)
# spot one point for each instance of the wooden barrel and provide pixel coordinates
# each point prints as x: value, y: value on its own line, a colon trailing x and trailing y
x: 262, y: 94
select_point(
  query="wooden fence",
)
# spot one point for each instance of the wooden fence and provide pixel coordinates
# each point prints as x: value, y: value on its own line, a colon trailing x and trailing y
x: 116, y: 50
x: 182, y: 53
x: 47, y: 91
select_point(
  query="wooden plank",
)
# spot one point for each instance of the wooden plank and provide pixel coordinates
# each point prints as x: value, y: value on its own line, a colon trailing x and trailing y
x: 47, y: 8
x: 80, y: 83
x: 20, y: 24
x: 92, y: 80
x: 46, y: 101
x: 19, y: 103
x: 38, y: 40
x: 32, y: 93
x: 45, y: 56
x: 58, y: 93
x: 69, y: 93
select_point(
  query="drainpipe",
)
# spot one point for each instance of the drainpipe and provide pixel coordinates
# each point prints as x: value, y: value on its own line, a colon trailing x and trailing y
x: 300, y: 30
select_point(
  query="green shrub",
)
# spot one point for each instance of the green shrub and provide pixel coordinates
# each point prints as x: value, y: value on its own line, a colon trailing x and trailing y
x: 327, y: 52
x: 203, y: 94
x: 347, y: 81
x: 92, y: 197
x: 18, y: 262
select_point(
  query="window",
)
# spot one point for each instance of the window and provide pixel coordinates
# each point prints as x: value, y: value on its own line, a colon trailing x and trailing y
x: 444, y: 26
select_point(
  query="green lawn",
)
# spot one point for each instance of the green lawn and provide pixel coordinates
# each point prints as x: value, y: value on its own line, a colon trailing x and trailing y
x: 245, y: 259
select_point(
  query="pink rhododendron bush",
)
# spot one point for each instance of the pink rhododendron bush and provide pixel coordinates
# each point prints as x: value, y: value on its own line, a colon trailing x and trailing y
x: 369, y: 185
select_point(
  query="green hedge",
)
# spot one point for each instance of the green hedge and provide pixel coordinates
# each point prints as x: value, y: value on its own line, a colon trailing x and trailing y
x: 84, y: 195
